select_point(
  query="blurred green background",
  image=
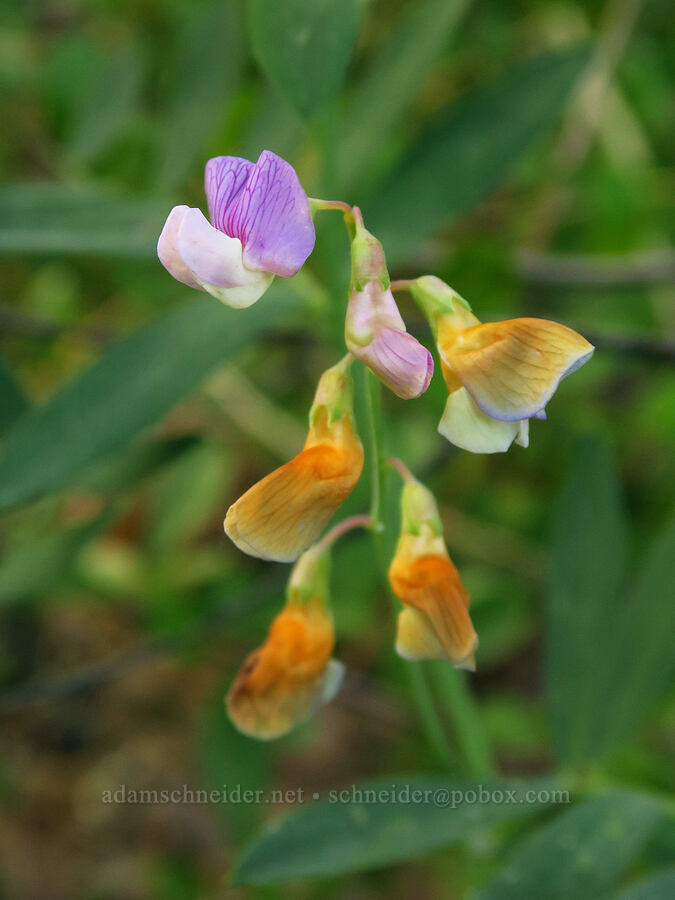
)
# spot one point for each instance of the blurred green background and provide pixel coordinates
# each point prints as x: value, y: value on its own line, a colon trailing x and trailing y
x: 522, y: 151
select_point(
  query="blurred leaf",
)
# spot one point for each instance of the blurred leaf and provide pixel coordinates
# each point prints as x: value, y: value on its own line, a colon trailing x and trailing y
x: 190, y: 493
x: 580, y: 854
x: 205, y: 79
x: 13, y: 401
x: 466, y: 155
x: 234, y: 763
x: 588, y: 558
x: 109, y: 106
x: 49, y: 217
x: 40, y: 564
x: 659, y: 886
x: 392, y: 80
x: 331, y: 836
x: 128, y: 389
x: 304, y: 46
x: 644, y: 628
x: 126, y: 469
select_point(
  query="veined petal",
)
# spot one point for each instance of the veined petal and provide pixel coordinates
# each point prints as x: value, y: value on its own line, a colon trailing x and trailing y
x: 399, y: 361
x: 375, y: 334
x: 224, y: 179
x: 272, y: 218
x: 282, y: 683
x: 215, y: 262
x: 442, y: 628
x: 468, y: 427
x: 512, y: 368
x: 286, y: 511
x: 167, y: 249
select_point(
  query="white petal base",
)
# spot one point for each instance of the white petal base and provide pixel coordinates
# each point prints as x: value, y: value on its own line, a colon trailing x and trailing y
x: 468, y: 427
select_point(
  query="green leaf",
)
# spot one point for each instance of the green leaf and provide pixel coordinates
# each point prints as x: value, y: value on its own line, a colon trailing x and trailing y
x: 49, y: 217
x: 467, y: 154
x: 587, y: 567
x: 580, y: 854
x: 659, y: 886
x: 205, y: 78
x: 110, y: 105
x: 304, y: 46
x: 39, y: 565
x: 644, y: 629
x: 13, y: 402
x: 392, y: 81
x: 132, y: 386
x: 359, y: 832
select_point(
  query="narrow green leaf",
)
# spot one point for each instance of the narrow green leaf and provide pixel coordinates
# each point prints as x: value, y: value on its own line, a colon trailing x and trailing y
x: 13, y: 401
x: 644, y: 630
x: 205, y: 79
x: 467, y: 154
x: 392, y: 81
x: 587, y: 567
x: 581, y: 854
x: 110, y: 105
x: 49, y: 217
x: 304, y: 46
x: 366, y: 828
x: 33, y: 568
x: 659, y: 886
x: 133, y: 384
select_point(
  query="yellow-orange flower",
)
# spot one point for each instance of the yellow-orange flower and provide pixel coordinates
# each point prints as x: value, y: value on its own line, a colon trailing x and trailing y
x: 499, y: 375
x: 285, y: 512
x: 282, y: 682
x: 435, y: 621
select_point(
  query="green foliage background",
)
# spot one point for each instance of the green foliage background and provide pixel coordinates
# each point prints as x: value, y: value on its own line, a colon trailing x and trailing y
x: 523, y: 152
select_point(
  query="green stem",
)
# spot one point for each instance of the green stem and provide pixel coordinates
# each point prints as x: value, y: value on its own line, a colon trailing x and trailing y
x: 373, y: 398
x: 433, y: 727
x: 427, y: 710
x: 465, y: 719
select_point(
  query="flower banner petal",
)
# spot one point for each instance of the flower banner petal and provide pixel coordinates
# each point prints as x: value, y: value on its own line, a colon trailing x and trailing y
x: 512, y: 368
x: 272, y: 218
x: 224, y: 179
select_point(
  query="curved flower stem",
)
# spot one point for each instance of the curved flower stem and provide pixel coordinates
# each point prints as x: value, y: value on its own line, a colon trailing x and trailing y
x: 342, y: 528
x: 349, y: 213
x: 400, y: 467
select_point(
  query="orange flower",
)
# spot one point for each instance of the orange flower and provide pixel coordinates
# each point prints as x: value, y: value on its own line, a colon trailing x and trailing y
x: 282, y: 682
x: 435, y: 621
x: 499, y: 375
x: 286, y: 511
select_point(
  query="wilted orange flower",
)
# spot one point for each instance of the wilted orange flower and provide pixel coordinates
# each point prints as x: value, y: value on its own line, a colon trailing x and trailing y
x: 286, y: 511
x: 435, y: 621
x: 282, y: 682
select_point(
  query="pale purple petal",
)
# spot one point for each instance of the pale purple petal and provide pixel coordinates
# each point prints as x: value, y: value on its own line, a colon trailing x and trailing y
x: 272, y: 218
x: 368, y: 310
x: 167, y: 249
x: 399, y: 361
x: 224, y: 179
x: 212, y: 256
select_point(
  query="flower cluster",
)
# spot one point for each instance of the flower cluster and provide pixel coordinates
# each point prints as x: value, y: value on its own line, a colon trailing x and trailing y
x: 499, y: 375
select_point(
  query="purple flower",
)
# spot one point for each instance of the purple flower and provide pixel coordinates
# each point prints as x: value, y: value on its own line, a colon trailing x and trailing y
x: 376, y: 335
x: 262, y: 227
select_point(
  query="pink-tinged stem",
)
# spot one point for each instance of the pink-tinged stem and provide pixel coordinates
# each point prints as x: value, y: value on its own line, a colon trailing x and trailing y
x: 401, y: 467
x: 342, y: 528
x: 403, y: 284
x: 331, y: 204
